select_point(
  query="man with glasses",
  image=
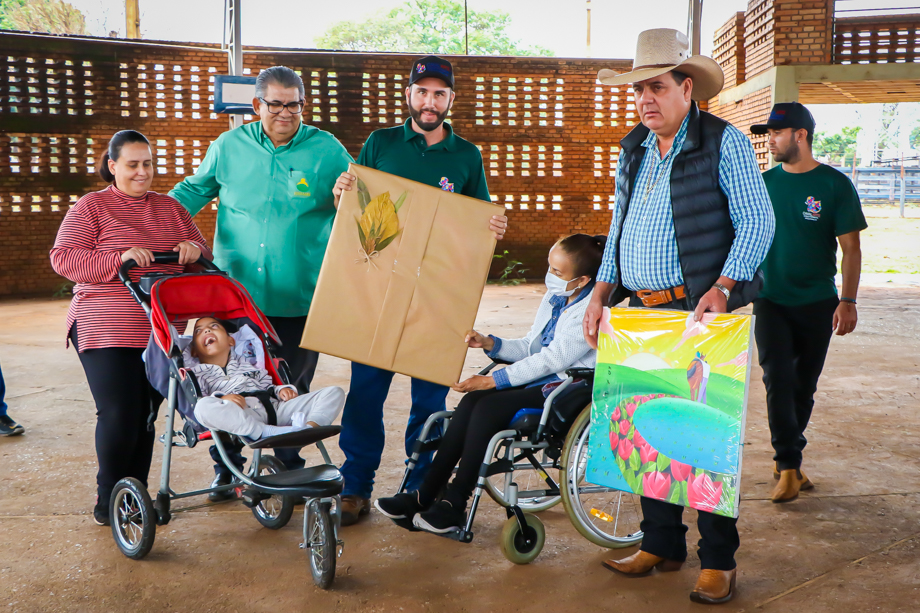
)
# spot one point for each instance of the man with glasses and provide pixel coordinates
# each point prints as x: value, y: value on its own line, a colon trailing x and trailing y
x: 274, y: 178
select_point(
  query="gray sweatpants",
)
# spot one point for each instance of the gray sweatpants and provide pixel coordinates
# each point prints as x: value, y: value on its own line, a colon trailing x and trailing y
x: 321, y: 406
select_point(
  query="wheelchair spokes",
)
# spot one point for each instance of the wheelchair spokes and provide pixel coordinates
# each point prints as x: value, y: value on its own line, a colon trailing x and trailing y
x: 604, y: 516
x: 536, y: 492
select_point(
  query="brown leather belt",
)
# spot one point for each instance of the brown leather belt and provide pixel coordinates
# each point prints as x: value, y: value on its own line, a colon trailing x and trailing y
x: 652, y: 298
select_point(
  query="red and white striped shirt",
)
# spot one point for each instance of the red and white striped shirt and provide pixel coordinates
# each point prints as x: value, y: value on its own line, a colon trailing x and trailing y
x: 95, y: 232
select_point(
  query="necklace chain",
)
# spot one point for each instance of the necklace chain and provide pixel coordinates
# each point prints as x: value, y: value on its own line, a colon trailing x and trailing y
x: 649, y: 186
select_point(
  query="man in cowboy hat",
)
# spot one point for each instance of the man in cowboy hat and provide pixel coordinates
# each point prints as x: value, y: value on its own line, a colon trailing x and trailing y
x: 692, y: 224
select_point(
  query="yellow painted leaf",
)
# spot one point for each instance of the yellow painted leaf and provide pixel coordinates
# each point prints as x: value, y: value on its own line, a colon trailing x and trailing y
x: 378, y: 224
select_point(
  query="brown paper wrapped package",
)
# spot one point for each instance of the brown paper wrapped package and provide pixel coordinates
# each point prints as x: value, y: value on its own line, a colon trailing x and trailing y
x: 406, y: 305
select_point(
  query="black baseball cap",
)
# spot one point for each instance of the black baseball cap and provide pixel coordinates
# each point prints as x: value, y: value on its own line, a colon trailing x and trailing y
x: 787, y: 115
x: 432, y: 66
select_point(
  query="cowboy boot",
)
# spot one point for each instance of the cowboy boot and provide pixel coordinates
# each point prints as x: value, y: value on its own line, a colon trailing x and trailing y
x: 714, y: 586
x: 805, y: 486
x: 641, y: 563
x: 789, y: 484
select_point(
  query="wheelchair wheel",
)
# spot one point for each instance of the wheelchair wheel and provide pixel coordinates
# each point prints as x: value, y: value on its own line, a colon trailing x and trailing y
x: 532, y: 488
x: 519, y: 547
x: 276, y: 511
x: 606, y: 517
x: 133, y: 518
x: 319, y: 538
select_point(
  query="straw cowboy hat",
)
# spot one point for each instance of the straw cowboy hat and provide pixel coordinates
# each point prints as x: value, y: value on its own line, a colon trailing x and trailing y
x: 663, y: 50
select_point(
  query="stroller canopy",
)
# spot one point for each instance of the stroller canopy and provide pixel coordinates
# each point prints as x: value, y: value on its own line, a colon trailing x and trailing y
x: 184, y: 297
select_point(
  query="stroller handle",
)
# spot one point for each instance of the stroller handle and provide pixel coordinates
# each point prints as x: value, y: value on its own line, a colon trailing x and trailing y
x: 161, y: 257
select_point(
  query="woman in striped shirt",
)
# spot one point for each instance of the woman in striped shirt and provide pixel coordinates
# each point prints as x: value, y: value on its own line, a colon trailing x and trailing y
x: 108, y: 328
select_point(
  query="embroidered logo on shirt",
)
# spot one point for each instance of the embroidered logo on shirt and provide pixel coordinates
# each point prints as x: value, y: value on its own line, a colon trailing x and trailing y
x: 447, y: 187
x: 302, y: 188
x: 812, y: 209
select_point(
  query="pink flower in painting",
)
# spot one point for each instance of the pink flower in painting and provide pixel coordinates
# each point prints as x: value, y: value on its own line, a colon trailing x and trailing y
x: 638, y: 441
x: 614, y: 440
x: 679, y: 471
x: 631, y: 408
x: 702, y: 493
x: 656, y: 485
x: 646, y: 453
x: 615, y: 416
x: 625, y: 449
x: 624, y: 427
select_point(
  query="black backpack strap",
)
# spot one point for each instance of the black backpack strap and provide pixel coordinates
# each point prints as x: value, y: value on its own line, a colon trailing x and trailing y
x: 266, y: 399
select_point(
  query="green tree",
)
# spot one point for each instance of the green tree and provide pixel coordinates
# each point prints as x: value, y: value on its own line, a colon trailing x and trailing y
x: 427, y: 26
x: 51, y: 16
x: 915, y: 138
x: 837, y: 148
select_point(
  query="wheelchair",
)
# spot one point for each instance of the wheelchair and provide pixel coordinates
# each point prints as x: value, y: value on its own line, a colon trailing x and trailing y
x: 547, y: 450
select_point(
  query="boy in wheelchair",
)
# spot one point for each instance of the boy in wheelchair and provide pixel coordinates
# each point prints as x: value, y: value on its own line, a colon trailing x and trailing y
x: 239, y: 398
x: 555, y: 343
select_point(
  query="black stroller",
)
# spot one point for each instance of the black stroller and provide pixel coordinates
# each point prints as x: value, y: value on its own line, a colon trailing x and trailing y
x: 266, y: 487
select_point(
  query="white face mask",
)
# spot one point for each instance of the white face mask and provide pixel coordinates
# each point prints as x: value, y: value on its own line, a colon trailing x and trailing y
x: 556, y: 286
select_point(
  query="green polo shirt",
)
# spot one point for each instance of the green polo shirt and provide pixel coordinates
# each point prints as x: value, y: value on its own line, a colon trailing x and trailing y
x: 276, y: 210
x: 454, y: 164
x: 812, y: 209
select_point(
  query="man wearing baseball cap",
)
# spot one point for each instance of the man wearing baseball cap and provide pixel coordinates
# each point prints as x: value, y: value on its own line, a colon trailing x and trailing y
x: 423, y: 149
x: 816, y: 207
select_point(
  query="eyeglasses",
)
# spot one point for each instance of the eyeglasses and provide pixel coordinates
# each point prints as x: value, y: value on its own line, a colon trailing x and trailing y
x: 275, y: 108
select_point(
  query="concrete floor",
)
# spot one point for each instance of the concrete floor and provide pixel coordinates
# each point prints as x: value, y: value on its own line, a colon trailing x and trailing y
x: 852, y: 544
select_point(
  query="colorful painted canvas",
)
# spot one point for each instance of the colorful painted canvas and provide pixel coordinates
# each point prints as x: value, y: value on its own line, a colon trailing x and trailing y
x: 670, y: 396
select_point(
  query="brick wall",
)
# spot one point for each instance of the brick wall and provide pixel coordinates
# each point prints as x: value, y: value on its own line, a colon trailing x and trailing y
x: 758, y: 37
x: 548, y: 133
x: 728, y: 49
x: 804, y: 31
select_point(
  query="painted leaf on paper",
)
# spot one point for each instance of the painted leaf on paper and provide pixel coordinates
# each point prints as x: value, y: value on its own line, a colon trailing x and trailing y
x: 378, y: 225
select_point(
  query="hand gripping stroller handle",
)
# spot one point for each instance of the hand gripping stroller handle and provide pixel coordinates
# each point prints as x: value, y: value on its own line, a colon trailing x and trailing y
x: 161, y: 257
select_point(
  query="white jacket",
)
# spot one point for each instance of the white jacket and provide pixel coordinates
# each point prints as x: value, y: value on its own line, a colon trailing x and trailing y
x: 568, y: 349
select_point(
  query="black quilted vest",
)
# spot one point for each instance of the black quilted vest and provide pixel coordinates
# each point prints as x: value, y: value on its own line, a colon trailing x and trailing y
x: 702, y: 224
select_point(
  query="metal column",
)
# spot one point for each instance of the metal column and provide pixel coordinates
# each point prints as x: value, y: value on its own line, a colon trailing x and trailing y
x: 694, y: 25
x: 234, y: 19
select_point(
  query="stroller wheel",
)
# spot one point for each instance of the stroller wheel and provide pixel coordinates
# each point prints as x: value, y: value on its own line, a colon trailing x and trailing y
x: 319, y: 537
x: 134, y: 520
x: 273, y: 512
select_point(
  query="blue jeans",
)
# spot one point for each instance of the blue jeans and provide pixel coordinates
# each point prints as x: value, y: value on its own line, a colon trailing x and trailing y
x: 363, y: 435
x: 2, y: 394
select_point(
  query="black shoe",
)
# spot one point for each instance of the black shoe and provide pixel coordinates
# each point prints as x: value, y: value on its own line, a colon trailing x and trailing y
x: 8, y: 427
x: 101, y: 512
x: 222, y: 479
x: 400, y: 506
x: 441, y: 518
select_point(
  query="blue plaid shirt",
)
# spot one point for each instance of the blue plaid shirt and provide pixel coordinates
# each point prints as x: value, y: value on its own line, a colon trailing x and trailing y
x: 648, y: 246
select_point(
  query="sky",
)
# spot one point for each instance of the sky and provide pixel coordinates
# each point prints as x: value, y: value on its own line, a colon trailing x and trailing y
x: 559, y: 25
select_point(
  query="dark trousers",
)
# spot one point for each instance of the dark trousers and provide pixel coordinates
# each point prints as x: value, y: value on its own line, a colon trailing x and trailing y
x: 479, y: 416
x: 2, y: 394
x: 302, y: 363
x: 792, y: 344
x: 124, y: 405
x: 664, y: 533
x: 363, y: 434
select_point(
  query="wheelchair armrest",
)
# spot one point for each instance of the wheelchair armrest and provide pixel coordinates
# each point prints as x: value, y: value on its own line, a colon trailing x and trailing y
x: 581, y: 373
x: 490, y: 367
x: 297, y: 439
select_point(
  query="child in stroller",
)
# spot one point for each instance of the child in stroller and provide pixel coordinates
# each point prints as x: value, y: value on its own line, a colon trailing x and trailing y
x: 238, y: 397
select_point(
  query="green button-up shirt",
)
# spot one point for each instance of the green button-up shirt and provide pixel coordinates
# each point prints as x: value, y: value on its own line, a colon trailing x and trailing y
x: 276, y: 210
x: 454, y: 164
